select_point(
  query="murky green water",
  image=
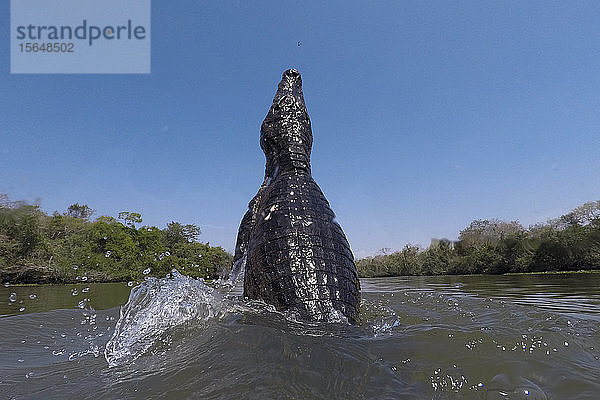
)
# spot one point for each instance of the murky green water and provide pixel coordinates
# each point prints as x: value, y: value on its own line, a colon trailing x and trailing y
x: 40, y: 298
x: 468, y: 337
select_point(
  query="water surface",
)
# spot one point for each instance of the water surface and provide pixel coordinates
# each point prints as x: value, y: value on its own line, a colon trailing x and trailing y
x: 465, y: 337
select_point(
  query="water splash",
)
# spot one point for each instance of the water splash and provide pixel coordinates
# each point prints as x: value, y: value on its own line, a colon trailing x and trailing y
x: 378, y: 318
x: 154, y: 307
x: 237, y: 271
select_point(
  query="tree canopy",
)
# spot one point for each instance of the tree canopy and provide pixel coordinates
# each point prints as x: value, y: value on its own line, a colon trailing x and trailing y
x: 65, y: 247
x: 570, y: 242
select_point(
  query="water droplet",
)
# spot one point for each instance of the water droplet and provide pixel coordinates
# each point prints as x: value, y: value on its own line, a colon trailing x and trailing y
x: 74, y: 292
x: 82, y: 303
x: 84, y: 278
x: 85, y: 290
x: 20, y: 360
x: 22, y: 309
x: 146, y: 271
x: 76, y: 267
x: 6, y: 284
x: 130, y: 283
x: 526, y: 392
x: 567, y: 344
x: 480, y: 384
x: 12, y: 297
x: 32, y: 296
x: 108, y: 253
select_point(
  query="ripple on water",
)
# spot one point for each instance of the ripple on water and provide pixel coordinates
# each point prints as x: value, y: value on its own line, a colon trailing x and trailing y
x: 180, y: 338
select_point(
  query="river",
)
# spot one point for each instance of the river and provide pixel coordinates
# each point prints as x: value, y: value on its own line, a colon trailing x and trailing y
x: 449, y: 337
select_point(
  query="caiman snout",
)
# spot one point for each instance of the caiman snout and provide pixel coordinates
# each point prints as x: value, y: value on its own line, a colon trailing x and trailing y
x: 291, y: 84
x: 285, y: 134
x: 291, y: 73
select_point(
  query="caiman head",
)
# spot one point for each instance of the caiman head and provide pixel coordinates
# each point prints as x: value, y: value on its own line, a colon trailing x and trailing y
x: 285, y: 134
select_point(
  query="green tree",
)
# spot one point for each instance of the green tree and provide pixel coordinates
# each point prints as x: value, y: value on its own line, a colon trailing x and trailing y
x: 582, y: 215
x: 130, y: 218
x: 178, y: 233
x: 408, y: 261
x: 488, y: 231
x: 436, y: 260
x: 82, y: 211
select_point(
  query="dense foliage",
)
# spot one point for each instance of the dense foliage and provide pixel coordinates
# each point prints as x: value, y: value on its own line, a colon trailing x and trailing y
x: 568, y: 243
x: 69, y: 247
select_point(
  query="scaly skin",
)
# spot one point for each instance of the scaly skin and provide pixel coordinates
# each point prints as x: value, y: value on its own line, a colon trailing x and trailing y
x: 296, y: 255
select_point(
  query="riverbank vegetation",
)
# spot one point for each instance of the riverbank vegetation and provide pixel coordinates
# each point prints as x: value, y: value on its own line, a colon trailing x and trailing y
x: 71, y: 247
x: 568, y: 243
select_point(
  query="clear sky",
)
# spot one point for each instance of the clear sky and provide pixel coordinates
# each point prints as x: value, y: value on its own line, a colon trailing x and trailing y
x: 426, y: 115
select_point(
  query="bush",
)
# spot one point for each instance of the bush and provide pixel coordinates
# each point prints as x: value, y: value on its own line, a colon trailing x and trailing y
x: 35, y: 247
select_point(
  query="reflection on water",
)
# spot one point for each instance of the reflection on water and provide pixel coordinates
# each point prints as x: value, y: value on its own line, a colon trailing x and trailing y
x: 465, y: 337
x: 566, y: 293
x: 39, y: 298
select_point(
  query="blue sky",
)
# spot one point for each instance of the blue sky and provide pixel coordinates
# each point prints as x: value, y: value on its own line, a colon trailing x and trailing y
x: 426, y: 116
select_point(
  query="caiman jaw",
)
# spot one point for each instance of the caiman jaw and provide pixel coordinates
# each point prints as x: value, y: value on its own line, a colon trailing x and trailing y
x: 286, y: 135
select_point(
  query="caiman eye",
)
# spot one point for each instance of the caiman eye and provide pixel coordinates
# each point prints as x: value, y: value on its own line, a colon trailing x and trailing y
x: 285, y: 101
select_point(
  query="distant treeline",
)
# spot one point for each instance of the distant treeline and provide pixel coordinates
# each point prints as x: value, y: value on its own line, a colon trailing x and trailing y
x: 568, y: 243
x: 69, y: 247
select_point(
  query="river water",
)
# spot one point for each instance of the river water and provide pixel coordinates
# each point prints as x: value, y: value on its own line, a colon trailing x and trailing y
x: 451, y: 337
